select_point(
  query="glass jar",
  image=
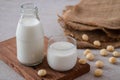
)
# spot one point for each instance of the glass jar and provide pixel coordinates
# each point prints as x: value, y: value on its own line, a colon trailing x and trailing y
x: 62, y: 53
x: 29, y: 36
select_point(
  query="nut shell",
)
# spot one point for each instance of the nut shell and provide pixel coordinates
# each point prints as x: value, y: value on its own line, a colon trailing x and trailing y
x: 90, y: 57
x: 98, y: 72
x: 42, y: 72
x: 112, y: 60
x: 99, y: 64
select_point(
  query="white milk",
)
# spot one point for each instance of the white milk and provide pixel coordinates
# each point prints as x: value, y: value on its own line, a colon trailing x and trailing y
x: 62, y: 56
x: 30, y: 41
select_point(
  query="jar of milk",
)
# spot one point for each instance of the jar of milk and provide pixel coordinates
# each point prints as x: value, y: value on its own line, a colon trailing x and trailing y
x: 29, y: 36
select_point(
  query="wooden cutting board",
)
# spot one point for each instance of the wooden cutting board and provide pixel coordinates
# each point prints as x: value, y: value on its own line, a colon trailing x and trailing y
x: 8, y: 55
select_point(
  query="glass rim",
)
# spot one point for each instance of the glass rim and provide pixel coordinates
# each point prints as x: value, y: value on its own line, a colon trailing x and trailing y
x: 58, y: 36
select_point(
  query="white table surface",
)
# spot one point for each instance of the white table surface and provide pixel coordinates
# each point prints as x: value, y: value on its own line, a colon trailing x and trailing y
x: 48, y: 10
x: 7, y: 73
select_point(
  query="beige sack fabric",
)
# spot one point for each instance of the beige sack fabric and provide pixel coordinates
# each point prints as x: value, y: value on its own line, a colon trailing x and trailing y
x: 98, y: 13
x: 100, y: 19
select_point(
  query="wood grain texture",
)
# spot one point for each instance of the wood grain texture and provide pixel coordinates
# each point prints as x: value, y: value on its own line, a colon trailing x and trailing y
x: 8, y: 55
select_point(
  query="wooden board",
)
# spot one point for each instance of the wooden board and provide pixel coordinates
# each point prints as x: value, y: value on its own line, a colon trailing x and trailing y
x: 8, y: 55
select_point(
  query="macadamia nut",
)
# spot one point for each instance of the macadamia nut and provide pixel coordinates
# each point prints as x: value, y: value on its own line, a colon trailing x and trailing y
x: 97, y: 43
x: 116, y: 54
x: 110, y: 48
x: 82, y: 61
x: 90, y: 57
x: 85, y: 37
x: 98, y: 72
x: 103, y: 52
x: 87, y: 51
x: 112, y: 60
x: 42, y: 72
x: 99, y: 64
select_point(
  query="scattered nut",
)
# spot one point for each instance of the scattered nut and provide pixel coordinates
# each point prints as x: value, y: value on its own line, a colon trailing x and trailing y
x: 112, y: 60
x: 103, y: 52
x: 98, y: 72
x: 85, y: 37
x: 90, y: 57
x: 97, y: 43
x: 87, y: 51
x: 82, y: 61
x: 99, y: 64
x: 110, y: 48
x: 116, y: 54
x: 42, y: 72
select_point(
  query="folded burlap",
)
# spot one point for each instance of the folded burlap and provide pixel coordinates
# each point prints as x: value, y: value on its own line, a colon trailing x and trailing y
x: 96, y: 13
x: 99, y: 19
x: 112, y: 33
x: 106, y: 18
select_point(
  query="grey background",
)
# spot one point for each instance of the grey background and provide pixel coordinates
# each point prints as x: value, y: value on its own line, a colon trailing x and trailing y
x: 48, y: 10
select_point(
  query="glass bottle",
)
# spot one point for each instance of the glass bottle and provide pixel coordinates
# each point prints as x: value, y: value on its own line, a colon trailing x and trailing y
x: 29, y: 36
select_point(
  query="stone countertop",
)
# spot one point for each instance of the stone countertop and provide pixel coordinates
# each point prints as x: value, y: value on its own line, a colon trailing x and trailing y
x: 48, y: 10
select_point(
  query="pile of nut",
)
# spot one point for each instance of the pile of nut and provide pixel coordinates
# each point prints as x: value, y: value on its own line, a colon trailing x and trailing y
x: 90, y: 56
x: 100, y: 64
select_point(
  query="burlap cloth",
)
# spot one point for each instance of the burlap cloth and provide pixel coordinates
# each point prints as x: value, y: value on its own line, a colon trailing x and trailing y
x: 99, y: 13
x: 89, y: 16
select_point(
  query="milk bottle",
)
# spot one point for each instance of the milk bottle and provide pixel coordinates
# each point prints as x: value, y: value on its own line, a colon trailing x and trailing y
x: 29, y: 36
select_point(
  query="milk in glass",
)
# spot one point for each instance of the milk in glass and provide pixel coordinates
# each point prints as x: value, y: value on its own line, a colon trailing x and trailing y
x: 62, y: 55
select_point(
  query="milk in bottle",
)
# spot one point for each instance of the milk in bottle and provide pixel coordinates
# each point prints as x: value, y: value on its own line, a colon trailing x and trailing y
x: 29, y: 36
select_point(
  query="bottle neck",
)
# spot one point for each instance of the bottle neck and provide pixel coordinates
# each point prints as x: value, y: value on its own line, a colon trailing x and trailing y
x: 29, y: 10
